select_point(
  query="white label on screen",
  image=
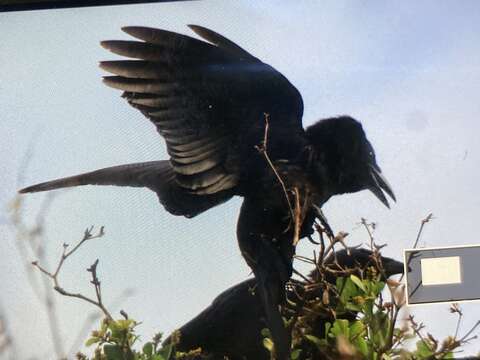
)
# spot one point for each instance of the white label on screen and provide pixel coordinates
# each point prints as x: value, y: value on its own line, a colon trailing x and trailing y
x: 441, y: 271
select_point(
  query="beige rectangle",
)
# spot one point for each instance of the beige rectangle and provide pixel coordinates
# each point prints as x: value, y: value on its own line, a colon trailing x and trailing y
x: 441, y: 271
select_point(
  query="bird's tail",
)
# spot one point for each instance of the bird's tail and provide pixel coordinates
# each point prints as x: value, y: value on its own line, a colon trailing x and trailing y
x: 158, y: 176
x: 138, y: 175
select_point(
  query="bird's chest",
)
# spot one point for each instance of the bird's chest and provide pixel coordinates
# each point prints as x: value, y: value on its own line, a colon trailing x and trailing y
x: 261, y: 145
x: 285, y: 196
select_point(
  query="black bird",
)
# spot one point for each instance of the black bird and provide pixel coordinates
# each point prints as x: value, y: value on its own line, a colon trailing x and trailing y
x: 233, y: 126
x: 231, y: 326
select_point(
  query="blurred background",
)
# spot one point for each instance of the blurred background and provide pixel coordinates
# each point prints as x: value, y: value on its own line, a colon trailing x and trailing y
x: 409, y: 72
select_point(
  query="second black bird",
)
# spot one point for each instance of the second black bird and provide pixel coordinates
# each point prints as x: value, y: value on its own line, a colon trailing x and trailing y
x: 231, y: 326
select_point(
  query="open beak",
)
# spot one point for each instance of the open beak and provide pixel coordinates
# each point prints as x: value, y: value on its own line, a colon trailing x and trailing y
x: 379, y: 185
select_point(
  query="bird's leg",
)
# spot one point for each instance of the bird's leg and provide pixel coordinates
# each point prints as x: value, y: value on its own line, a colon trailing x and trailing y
x: 269, y: 252
x: 272, y: 294
x: 272, y: 274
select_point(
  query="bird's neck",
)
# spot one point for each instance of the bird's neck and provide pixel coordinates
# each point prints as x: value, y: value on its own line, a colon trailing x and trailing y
x: 325, y: 173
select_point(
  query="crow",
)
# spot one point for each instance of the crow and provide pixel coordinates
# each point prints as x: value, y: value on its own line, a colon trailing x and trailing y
x: 233, y: 127
x: 231, y: 326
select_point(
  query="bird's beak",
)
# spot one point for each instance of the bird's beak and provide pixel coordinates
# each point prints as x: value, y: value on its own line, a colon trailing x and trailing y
x: 392, y: 267
x: 379, y: 185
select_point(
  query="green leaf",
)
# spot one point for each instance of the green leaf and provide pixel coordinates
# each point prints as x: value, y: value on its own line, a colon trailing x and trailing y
x: 349, y: 291
x: 353, y: 307
x: 113, y: 352
x: 266, y: 333
x: 148, y: 349
x: 104, y: 325
x: 295, y: 354
x: 379, y: 324
x: 356, y: 280
x: 340, y: 327
x: 319, y: 343
x: 367, y: 308
x: 423, y: 350
x: 157, y: 357
x: 448, y: 356
x: 268, y: 344
x: 327, y: 329
x: 115, y: 329
x: 356, y: 329
x: 166, y: 351
x: 362, y: 346
x: 378, y: 288
x: 92, y: 340
x: 339, y: 283
x: 125, y: 324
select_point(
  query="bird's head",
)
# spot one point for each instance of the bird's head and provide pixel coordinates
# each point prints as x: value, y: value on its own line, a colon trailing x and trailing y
x: 345, y: 159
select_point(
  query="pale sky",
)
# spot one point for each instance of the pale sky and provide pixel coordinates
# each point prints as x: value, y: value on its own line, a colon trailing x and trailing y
x: 409, y: 71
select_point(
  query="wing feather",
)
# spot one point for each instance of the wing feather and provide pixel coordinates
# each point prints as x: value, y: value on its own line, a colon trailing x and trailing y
x: 203, y: 97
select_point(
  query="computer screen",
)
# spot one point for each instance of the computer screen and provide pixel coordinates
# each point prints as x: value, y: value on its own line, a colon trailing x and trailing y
x: 409, y: 73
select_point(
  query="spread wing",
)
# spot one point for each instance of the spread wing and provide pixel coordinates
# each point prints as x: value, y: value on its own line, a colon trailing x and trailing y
x: 206, y: 98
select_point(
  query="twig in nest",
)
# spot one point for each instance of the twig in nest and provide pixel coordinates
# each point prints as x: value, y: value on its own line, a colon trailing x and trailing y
x: 297, y: 221
x: 303, y: 277
x: 263, y: 150
x: 304, y: 259
x: 299, y: 215
x: 340, y: 238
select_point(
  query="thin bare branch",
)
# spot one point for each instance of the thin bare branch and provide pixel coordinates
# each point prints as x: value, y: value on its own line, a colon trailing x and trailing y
x: 469, y: 332
x: 454, y: 308
x: 422, y: 224
x: 88, y: 235
x: 367, y: 227
x: 263, y: 149
x: 424, y: 221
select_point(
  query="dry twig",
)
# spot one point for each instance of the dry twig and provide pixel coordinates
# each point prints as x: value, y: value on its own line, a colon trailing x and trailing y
x: 424, y: 221
x: 263, y: 149
x: 88, y: 235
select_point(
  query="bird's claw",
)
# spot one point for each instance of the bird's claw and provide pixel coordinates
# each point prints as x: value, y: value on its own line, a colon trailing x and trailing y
x: 323, y: 220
